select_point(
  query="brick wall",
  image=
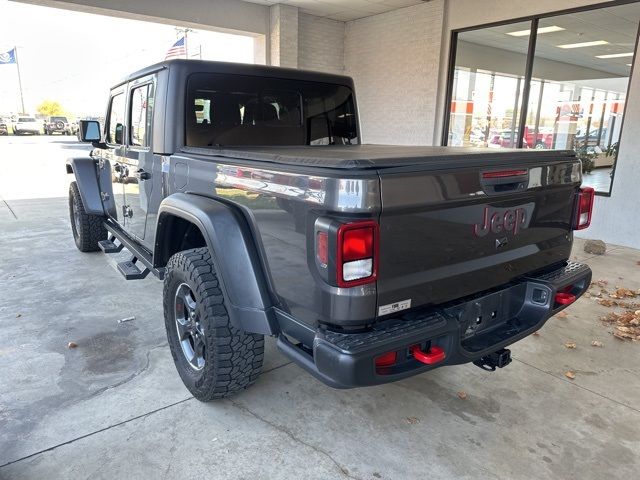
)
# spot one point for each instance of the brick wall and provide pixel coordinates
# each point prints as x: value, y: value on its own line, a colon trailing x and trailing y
x: 284, y: 35
x: 320, y: 44
x: 394, y: 60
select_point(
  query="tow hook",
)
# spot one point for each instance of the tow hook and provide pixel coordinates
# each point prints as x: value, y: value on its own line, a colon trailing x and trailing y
x: 498, y: 359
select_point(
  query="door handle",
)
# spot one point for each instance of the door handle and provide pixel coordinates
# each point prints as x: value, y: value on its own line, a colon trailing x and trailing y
x: 142, y: 175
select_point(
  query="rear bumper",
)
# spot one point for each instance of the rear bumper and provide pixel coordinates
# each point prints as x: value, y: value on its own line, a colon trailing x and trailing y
x: 466, y: 331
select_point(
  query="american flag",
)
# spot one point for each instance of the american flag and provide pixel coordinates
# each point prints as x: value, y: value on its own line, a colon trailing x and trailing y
x: 178, y: 50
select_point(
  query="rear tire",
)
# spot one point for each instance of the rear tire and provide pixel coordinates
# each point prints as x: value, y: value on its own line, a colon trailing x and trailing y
x: 87, y: 229
x: 214, y: 359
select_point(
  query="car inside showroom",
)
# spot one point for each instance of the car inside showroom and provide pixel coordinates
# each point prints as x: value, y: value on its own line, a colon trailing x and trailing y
x: 319, y: 239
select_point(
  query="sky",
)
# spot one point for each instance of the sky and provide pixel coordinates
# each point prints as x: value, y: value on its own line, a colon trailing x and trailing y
x: 73, y: 58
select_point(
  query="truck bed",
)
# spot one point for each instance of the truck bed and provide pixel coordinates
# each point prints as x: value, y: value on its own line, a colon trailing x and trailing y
x: 372, y: 157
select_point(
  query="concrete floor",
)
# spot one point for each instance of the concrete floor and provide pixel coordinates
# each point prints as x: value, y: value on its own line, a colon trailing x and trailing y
x: 114, y: 407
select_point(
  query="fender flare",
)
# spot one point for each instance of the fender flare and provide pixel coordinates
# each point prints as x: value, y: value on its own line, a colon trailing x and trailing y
x: 230, y: 240
x: 85, y: 171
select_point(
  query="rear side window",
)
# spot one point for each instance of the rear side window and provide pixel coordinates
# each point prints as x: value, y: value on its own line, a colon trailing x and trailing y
x: 237, y: 110
x: 141, y: 115
x: 115, y: 123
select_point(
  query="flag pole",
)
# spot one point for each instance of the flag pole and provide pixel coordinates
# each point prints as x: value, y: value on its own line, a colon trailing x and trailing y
x: 186, y: 44
x: 15, y: 49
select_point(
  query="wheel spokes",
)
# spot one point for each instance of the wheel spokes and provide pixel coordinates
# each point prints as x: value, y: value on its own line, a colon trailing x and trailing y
x: 184, y: 328
x: 188, y: 327
x: 198, y: 350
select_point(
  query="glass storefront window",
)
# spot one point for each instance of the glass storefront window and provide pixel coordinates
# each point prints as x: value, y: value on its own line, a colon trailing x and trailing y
x: 578, y: 79
x: 487, y: 88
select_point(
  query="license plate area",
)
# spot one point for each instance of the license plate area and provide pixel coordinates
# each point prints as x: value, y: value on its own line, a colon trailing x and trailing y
x: 483, y: 314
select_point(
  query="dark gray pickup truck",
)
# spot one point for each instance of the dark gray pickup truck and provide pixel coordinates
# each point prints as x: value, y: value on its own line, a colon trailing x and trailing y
x: 246, y: 189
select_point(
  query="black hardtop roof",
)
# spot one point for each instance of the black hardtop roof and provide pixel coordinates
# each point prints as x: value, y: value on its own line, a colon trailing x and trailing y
x: 188, y: 67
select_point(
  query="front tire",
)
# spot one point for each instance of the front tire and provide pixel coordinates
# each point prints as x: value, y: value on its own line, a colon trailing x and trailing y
x: 87, y: 229
x: 214, y: 359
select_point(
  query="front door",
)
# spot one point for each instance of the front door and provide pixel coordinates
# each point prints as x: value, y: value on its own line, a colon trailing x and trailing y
x: 114, y: 157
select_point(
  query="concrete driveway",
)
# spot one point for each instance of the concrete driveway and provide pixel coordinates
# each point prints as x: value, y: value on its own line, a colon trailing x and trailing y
x: 114, y: 407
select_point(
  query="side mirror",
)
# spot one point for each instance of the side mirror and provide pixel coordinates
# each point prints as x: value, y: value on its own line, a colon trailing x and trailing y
x: 89, y: 131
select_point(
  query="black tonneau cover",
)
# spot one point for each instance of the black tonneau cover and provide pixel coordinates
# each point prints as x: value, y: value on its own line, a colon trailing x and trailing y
x: 381, y: 156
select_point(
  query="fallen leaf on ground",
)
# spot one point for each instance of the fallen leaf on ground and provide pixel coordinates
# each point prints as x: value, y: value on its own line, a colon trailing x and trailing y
x: 412, y: 420
x: 626, y: 324
x: 562, y: 314
x: 570, y: 374
x: 462, y: 395
x: 570, y: 345
x: 596, y: 343
x: 625, y: 292
x: 607, y: 303
x: 72, y: 345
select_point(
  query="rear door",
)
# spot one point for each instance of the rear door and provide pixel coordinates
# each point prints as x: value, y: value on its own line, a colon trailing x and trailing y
x: 450, y: 233
x: 138, y: 158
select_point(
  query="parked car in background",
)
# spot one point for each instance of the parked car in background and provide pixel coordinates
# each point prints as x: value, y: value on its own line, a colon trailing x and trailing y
x: 4, y: 126
x: 595, y: 137
x: 58, y: 125
x: 26, y: 125
x: 541, y: 140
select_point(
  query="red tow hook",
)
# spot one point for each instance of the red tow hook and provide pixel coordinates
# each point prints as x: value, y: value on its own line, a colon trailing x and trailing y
x: 563, y: 298
x: 433, y: 356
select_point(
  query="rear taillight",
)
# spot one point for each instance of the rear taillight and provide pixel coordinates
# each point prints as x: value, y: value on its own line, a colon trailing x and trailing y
x: 584, y: 208
x: 357, y: 253
x: 322, y: 248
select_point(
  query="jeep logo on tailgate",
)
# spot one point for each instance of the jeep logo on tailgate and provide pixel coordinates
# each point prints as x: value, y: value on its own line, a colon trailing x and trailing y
x: 499, y: 220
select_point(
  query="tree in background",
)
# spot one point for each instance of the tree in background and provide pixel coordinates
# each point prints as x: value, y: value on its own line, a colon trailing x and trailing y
x: 50, y: 108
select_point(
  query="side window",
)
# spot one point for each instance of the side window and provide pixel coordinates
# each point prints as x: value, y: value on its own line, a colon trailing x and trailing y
x: 115, y: 125
x: 141, y: 115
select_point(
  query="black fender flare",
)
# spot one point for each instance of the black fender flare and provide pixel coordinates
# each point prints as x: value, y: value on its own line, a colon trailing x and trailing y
x: 86, y: 173
x: 230, y: 240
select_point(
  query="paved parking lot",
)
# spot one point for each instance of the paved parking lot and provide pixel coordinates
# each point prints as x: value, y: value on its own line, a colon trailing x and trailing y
x: 114, y: 407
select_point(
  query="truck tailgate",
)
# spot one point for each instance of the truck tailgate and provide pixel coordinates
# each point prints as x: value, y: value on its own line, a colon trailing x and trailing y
x: 450, y: 233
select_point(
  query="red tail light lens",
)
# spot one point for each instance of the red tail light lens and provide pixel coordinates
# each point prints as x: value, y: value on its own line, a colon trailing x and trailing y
x: 322, y: 248
x: 357, y: 260
x: 584, y: 208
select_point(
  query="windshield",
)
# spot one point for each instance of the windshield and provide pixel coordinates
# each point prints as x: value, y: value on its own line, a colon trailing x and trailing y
x: 59, y: 119
x: 26, y: 119
x: 237, y: 110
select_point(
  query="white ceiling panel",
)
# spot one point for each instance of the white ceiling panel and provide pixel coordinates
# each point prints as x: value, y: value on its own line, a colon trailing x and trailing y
x: 617, y: 25
x: 343, y: 10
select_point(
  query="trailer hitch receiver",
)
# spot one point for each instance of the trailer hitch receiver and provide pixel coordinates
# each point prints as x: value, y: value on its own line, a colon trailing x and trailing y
x: 498, y: 359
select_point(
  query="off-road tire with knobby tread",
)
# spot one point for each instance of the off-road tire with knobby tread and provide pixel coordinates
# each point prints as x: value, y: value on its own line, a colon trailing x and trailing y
x: 233, y: 358
x: 90, y: 229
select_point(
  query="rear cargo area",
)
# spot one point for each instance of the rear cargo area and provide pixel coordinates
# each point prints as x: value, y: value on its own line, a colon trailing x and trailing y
x: 448, y: 233
x: 453, y: 222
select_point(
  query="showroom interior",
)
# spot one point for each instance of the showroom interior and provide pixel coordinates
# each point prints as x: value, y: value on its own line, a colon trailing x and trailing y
x: 481, y: 74
x: 463, y: 67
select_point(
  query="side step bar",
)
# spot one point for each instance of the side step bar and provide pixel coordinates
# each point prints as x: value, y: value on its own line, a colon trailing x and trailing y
x: 141, y: 262
x: 130, y: 270
x: 109, y: 246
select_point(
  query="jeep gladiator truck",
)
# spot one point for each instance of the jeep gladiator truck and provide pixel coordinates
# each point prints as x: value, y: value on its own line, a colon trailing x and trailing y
x: 247, y: 191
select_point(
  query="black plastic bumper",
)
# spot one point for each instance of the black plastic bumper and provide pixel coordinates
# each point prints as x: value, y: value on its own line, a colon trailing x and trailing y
x: 466, y: 331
